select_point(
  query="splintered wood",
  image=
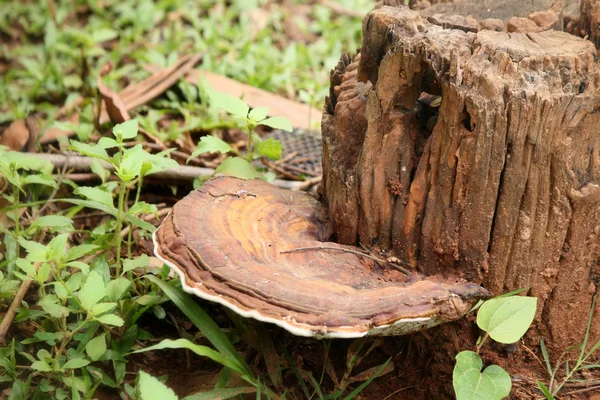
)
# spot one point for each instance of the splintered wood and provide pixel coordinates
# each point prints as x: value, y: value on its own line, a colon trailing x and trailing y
x: 499, y: 184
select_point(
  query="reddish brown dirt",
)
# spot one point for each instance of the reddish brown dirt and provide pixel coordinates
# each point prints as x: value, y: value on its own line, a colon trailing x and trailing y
x: 423, y: 362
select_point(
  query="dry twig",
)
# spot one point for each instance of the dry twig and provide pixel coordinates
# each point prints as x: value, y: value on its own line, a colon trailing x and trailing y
x: 12, y: 309
x: 183, y: 173
x: 300, y: 170
x: 309, y: 183
x: 356, y: 252
x: 279, y: 169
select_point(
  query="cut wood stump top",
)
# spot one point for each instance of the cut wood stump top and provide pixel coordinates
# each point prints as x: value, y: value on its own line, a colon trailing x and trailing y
x: 543, y: 44
x: 502, y: 58
x: 482, y: 9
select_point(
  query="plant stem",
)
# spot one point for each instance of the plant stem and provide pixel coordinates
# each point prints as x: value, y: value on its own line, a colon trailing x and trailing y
x: 137, y: 198
x: 482, y: 342
x: 57, y: 277
x: 68, y: 338
x: 250, y: 150
x: 16, y: 211
x: 122, y: 189
x: 582, y: 356
x: 32, y: 203
x: 553, y: 375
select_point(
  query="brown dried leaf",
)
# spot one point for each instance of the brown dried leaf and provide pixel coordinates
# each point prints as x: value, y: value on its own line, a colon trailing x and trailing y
x: 15, y: 137
x: 52, y: 134
x: 158, y: 83
x: 329, y: 368
x: 271, y: 358
x: 301, y: 116
x: 132, y: 96
x: 341, y: 10
x: 259, y: 18
x: 115, y: 107
x: 293, y: 14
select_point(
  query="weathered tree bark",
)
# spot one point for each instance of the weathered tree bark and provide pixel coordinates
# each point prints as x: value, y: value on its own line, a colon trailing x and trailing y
x: 588, y: 22
x: 499, y: 184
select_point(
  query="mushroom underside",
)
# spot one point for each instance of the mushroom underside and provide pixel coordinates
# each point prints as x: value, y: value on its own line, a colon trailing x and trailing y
x: 228, y: 241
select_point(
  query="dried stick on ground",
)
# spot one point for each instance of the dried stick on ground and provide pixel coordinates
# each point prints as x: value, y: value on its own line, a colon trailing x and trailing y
x: 279, y: 169
x: 309, y: 183
x: 12, y: 309
x: 182, y: 173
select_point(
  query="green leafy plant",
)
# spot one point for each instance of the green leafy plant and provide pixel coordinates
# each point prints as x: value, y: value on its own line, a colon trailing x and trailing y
x: 470, y: 382
x: 236, y: 165
x: 357, y: 351
x: 131, y: 165
x: 85, y: 326
x: 22, y: 174
x: 87, y: 305
x: 505, y: 320
x: 225, y: 353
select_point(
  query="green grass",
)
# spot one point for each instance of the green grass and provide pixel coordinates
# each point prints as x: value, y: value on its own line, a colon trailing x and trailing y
x: 86, y: 300
x: 52, y: 57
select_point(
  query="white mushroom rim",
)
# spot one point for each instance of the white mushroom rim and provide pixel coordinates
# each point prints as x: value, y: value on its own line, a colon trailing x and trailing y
x: 401, y: 326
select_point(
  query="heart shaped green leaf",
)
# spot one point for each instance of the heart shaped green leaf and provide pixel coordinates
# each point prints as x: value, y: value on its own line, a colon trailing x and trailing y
x: 471, y: 384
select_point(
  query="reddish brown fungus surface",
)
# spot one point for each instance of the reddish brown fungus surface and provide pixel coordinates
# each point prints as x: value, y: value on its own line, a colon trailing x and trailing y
x: 226, y: 241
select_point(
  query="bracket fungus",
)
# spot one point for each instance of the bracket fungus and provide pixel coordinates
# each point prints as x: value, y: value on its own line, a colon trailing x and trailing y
x: 237, y: 242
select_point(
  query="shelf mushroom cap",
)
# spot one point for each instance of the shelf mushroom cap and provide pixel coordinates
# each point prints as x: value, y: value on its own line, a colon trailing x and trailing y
x: 225, y: 240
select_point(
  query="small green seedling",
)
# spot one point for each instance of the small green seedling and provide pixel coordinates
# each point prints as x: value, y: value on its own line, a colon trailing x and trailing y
x: 577, y: 366
x: 504, y: 319
x: 239, y: 166
x: 470, y: 382
x: 131, y: 165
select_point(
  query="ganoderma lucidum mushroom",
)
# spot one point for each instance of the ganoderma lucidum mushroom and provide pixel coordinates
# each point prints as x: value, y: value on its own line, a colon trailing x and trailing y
x: 228, y: 242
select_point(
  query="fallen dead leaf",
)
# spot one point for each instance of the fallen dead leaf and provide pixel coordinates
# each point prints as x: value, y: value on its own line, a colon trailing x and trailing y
x: 52, y: 134
x: 298, y: 12
x: 115, y: 107
x: 134, y: 95
x: 300, y: 115
x: 341, y: 10
x: 15, y: 137
x: 158, y: 83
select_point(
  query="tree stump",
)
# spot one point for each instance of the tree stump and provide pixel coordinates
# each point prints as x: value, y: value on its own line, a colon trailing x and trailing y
x: 588, y: 22
x: 508, y: 15
x: 475, y: 154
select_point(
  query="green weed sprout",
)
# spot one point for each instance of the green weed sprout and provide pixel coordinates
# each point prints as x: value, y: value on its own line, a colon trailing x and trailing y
x: 505, y: 320
x: 237, y: 165
x: 581, y: 363
x: 85, y: 311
